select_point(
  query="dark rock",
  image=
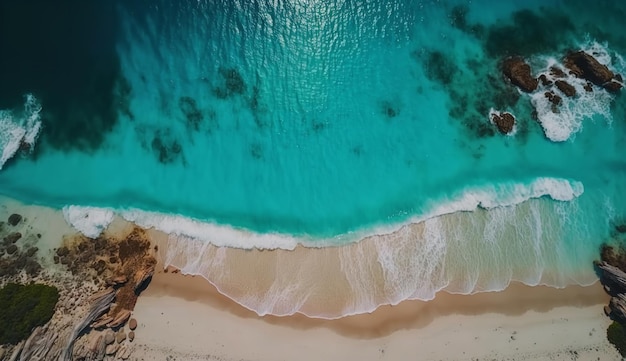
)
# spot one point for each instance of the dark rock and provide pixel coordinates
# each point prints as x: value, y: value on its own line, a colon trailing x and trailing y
x: 612, y: 86
x: 32, y: 268
x: 519, y: 73
x: 13, y: 237
x: 586, y: 66
x: 56, y: 259
x: 504, y: 121
x: 553, y: 98
x: 21, y: 261
x: 14, y: 219
x: 31, y: 251
x: 132, y: 324
x: 38, y: 235
x: 99, y: 266
x: 544, y: 80
x: 566, y: 88
x: 12, y: 249
x: 619, y: 78
x: 588, y: 87
x: 556, y: 100
x: 621, y: 228
x: 557, y: 72
x: 63, y: 251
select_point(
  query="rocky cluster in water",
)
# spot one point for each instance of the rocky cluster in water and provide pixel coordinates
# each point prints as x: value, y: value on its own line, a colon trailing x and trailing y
x: 16, y: 254
x: 578, y: 64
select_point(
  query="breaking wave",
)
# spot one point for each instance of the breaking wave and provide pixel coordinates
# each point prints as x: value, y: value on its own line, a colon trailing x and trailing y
x: 91, y: 221
x: 559, y: 126
x: 19, y: 130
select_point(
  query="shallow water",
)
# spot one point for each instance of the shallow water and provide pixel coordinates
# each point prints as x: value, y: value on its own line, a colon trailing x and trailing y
x: 265, y: 124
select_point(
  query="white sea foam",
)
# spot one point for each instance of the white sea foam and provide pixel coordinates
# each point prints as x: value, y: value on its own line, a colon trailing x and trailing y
x: 568, y: 120
x: 218, y: 235
x: 90, y: 221
x: 19, y: 128
x: 508, y: 194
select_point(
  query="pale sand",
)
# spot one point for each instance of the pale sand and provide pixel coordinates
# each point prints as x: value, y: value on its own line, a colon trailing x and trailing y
x: 185, y: 317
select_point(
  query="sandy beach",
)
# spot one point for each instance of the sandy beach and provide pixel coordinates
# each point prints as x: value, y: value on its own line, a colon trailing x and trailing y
x: 184, y: 318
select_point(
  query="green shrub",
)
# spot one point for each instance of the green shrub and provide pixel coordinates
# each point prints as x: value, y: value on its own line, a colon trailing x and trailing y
x: 617, y: 336
x: 24, y: 307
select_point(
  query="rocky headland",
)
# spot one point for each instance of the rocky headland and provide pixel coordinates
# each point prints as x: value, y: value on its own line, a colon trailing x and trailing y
x: 98, y: 281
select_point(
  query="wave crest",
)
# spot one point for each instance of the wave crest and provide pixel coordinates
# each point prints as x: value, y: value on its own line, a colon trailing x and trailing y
x: 19, y: 130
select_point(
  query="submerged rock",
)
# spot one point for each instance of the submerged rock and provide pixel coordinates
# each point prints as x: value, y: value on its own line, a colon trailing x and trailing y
x: 14, y: 219
x: 503, y: 121
x: 13, y: 237
x: 12, y: 249
x: 519, y: 73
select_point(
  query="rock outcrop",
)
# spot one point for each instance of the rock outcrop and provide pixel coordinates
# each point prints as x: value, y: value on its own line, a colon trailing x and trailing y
x: 504, y: 121
x: 519, y: 73
x: 566, y: 88
x: 585, y: 66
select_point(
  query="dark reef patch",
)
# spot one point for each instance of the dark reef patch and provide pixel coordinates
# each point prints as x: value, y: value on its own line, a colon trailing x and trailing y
x: 529, y: 33
x: 165, y: 147
x: 232, y: 84
x: 389, y: 109
x: 473, y: 89
x: 65, y: 54
x: 439, y: 67
x: 458, y: 19
x: 190, y: 110
x: 256, y: 151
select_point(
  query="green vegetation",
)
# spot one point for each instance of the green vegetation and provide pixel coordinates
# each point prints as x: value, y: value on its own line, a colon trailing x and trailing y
x: 617, y: 336
x: 24, y: 307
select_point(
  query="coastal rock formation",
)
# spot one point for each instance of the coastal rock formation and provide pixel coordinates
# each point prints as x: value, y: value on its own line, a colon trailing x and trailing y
x: 585, y: 66
x: 519, y: 73
x: 503, y: 121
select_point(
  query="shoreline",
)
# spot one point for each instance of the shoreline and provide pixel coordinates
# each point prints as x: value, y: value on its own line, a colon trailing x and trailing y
x: 185, y: 317
x: 519, y: 323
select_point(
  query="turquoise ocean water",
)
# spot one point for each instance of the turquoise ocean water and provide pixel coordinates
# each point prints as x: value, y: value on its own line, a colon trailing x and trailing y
x: 320, y: 122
